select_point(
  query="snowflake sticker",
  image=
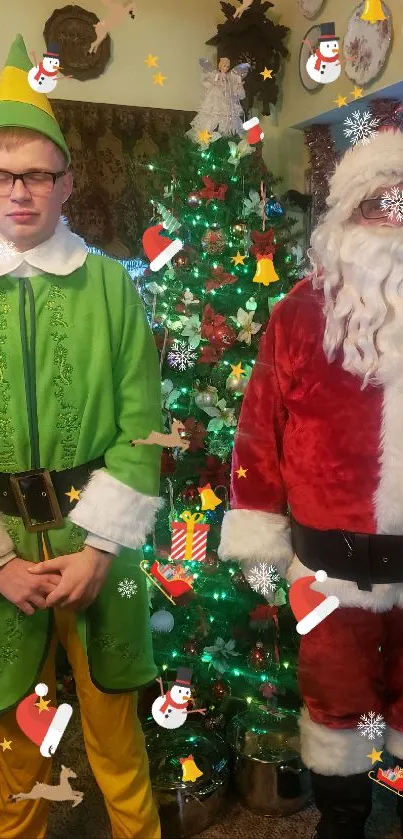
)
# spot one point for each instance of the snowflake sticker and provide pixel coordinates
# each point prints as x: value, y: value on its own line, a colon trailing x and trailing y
x: 371, y: 725
x: 360, y: 127
x: 392, y: 203
x: 127, y: 588
x: 263, y: 578
x: 181, y: 356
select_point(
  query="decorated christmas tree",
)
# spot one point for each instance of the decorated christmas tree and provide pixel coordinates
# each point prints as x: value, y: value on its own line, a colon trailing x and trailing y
x: 219, y: 246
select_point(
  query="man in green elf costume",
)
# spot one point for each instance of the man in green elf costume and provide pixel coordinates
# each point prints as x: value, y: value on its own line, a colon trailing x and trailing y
x: 79, y: 379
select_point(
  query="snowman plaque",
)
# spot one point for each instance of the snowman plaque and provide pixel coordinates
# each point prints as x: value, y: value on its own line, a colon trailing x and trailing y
x: 320, y: 57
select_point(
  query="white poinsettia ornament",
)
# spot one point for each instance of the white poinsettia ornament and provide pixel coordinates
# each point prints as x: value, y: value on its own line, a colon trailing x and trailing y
x: 169, y: 393
x: 222, y: 415
x: 238, y: 151
x: 254, y: 205
x: 188, y: 299
x: 247, y: 324
x: 191, y: 329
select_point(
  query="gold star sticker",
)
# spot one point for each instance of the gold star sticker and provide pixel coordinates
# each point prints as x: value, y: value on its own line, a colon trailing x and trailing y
x: 159, y: 79
x: 340, y: 101
x: 6, y: 744
x: 204, y: 136
x: 151, y: 60
x: 239, y: 259
x: 237, y: 370
x: 241, y: 472
x: 357, y: 92
x: 375, y: 756
x: 42, y: 704
x: 74, y: 494
x: 267, y: 74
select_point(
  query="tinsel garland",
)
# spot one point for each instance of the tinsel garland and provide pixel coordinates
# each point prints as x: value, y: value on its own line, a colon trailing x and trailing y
x: 323, y: 159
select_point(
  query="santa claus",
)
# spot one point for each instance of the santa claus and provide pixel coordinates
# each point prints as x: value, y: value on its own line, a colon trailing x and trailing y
x: 321, y: 440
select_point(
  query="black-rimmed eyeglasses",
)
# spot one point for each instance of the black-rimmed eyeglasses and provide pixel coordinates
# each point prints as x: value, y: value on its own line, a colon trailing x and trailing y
x: 37, y: 183
x: 372, y: 208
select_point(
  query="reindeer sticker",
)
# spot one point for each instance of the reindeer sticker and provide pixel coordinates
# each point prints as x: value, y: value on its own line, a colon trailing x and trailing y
x: 60, y: 792
x: 242, y: 8
x: 172, y: 440
x: 117, y: 14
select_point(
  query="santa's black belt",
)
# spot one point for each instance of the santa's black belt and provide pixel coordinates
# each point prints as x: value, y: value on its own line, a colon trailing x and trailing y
x: 42, y: 498
x: 362, y: 558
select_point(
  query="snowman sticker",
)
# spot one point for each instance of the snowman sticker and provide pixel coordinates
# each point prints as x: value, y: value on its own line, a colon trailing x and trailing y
x: 43, y: 77
x: 324, y: 64
x: 170, y: 709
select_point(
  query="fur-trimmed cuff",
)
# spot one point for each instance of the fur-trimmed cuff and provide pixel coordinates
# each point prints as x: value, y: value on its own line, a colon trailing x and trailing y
x: 250, y: 536
x: 333, y: 751
x: 114, y: 511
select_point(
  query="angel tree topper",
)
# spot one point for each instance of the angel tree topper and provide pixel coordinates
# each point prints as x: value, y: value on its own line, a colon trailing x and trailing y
x: 170, y: 710
x: 221, y: 113
x: 324, y: 64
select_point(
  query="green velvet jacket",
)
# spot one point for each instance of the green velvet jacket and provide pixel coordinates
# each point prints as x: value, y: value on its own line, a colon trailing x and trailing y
x: 79, y: 378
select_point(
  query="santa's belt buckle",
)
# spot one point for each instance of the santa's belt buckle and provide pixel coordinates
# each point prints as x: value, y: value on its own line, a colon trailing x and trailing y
x: 36, y: 500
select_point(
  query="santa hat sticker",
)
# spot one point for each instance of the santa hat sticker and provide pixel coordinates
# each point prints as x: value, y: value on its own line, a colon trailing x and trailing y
x: 311, y: 607
x: 43, y: 725
x: 255, y: 133
x: 159, y: 249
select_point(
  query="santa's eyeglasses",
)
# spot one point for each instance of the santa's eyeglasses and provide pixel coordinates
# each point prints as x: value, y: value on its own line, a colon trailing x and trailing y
x: 372, y: 208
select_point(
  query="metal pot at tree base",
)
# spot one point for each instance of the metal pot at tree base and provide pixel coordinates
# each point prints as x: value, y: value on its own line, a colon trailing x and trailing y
x: 269, y: 774
x: 190, y: 778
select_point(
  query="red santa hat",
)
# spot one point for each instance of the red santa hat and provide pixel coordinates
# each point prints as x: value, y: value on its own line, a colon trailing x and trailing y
x: 310, y: 607
x: 159, y: 249
x: 44, y: 727
x: 255, y: 133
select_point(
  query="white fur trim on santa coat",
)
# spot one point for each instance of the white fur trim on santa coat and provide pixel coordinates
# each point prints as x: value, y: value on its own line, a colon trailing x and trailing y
x: 394, y: 742
x: 251, y: 536
x: 380, y: 599
x: 114, y: 511
x: 330, y: 751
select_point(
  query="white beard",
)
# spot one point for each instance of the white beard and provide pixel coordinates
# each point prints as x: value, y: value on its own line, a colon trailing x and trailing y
x: 363, y: 286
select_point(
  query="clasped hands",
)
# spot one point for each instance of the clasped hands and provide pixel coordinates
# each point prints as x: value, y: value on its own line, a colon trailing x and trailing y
x: 69, y: 582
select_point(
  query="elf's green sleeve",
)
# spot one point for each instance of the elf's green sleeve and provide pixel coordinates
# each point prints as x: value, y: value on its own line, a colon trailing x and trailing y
x: 120, y: 502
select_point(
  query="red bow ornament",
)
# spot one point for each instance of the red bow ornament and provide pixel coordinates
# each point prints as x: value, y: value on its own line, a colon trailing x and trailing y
x: 212, y: 190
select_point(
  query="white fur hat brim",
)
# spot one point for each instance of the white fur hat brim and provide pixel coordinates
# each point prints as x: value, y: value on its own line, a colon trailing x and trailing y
x: 364, y: 169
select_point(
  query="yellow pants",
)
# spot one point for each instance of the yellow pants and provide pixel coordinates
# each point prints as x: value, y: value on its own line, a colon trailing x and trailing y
x: 114, y: 743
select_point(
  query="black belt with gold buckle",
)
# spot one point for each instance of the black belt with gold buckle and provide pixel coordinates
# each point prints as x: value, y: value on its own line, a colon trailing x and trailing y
x: 42, y: 498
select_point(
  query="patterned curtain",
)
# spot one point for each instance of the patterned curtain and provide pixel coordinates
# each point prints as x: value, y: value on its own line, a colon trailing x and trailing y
x: 111, y: 148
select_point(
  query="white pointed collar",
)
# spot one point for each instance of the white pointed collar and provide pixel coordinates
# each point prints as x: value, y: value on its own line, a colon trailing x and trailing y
x: 62, y: 254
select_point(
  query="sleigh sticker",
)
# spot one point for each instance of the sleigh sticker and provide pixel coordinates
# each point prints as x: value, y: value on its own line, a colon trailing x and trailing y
x: 175, y: 581
x: 390, y: 778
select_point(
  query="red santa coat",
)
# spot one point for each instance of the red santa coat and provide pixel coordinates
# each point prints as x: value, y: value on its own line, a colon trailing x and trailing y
x: 312, y: 441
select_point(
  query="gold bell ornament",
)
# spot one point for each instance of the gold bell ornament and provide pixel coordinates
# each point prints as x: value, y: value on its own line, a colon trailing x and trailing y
x: 265, y: 271
x: 208, y: 498
x: 373, y: 11
x: 190, y: 772
x: 264, y: 249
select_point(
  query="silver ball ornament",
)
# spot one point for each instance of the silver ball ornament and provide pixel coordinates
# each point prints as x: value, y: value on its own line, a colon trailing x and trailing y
x: 206, y: 398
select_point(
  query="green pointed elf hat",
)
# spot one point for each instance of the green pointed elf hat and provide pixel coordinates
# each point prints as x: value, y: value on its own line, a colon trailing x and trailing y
x: 20, y: 105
